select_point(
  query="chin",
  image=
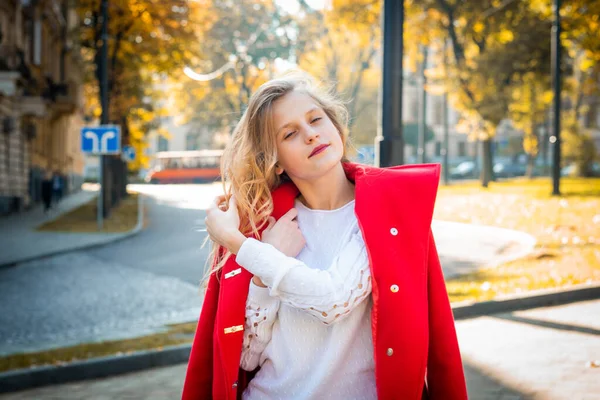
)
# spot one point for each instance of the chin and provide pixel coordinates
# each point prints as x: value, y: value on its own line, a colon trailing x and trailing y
x: 323, y: 168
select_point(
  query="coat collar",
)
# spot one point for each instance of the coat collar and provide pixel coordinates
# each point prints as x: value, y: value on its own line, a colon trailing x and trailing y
x: 286, y: 193
x: 418, y: 182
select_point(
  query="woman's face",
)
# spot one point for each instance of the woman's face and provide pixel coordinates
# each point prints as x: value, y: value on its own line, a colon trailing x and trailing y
x: 308, y: 144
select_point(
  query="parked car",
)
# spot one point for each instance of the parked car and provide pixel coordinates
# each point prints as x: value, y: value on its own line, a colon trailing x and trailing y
x: 504, y: 169
x: 573, y: 170
x: 465, y: 170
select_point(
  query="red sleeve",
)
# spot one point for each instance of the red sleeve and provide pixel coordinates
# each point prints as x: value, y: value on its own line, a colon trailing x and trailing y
x: 445, y: 376
x: 199, y: 374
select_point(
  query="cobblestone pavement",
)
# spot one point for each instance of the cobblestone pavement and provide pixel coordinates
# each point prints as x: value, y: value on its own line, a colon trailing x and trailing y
x: 538, y: 354
x: 77, y: 298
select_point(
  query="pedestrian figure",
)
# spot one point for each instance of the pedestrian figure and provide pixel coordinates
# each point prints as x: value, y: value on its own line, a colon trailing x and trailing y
x: 57, y: 185
x: 326, y: 283
x: 47, y: 191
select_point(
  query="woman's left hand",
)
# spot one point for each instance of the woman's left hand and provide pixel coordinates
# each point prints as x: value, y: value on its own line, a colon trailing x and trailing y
x: 223, y: 223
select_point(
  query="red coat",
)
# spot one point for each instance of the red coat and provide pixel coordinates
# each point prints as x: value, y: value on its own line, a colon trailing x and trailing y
x: 415, y: 347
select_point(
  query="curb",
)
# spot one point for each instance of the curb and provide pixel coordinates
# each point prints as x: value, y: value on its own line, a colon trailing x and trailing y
x: 542, y: 298
x: 137, y: 229
x: 13, y: 381
x: 116, y: 365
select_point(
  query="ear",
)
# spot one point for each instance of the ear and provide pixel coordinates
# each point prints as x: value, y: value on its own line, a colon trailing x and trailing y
x: 278, y: 169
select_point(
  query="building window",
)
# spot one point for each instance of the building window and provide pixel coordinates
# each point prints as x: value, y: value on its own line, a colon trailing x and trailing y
x: 163, y: 144
x: 462, y: 149
x: 438, y: 110
x: 191, y: 141
x: 438, y: 148
x: 37, y: 41
x: 413, y: 110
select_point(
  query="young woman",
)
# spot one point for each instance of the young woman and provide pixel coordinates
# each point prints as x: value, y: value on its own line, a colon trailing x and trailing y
x: 326, y: 282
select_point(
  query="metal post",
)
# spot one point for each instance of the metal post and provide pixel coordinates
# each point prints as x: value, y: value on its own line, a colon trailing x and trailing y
x: 556, y: 105
x: 389, y: 144
x: 104, y: 118
x: 100, y: 193
x: 446, y: 165
x: 423, y: 108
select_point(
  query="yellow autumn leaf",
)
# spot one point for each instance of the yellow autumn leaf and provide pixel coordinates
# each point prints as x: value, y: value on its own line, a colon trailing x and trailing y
x: 506, y: 36
x: 586, y: 64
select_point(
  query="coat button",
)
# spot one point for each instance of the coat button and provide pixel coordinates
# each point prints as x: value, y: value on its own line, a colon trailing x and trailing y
x: 234, y: 386
x: 390, y: 351
x: 394, y: 231
x: 394, y: 288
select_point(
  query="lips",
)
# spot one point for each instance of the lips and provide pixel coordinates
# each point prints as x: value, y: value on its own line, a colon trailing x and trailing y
x: 318, y: 149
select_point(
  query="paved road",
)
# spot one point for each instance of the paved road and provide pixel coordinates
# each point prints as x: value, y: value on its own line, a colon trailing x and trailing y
x: 538, y: 354
x: 170, y: 245
x: 121, y: 290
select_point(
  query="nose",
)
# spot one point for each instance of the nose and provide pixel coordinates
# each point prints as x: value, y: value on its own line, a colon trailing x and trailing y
x: 310, y: 134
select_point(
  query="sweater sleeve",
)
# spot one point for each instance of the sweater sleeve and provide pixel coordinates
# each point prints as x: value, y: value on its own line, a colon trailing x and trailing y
x: 261, y: 313
x: 328, y: 295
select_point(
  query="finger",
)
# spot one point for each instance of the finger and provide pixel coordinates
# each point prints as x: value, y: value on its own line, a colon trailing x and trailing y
x: 217, y: 202
x: 290, y: 215
x: 232, y: 204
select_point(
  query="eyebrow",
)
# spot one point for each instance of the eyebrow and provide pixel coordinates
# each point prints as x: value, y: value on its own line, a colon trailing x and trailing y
x: 313, y: 109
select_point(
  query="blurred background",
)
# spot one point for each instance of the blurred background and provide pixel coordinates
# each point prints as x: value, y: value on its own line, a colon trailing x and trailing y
x: 100, y: 254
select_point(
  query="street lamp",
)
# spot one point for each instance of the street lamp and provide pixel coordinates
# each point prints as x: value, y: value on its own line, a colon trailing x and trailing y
x: 389, y: 144
x: 556, y: 102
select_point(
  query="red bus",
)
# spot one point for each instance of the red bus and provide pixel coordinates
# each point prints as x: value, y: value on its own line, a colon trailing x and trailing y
x: 198, y: 166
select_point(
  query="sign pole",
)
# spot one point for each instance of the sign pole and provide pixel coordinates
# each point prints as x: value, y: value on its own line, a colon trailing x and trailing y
x: 100, y: 141
x: 100, y: 199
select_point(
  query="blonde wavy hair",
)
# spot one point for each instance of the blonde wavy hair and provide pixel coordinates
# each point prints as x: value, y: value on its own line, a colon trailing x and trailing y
x: 248, y: 166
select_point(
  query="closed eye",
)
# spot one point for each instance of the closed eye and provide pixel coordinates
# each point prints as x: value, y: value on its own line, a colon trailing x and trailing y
x: 315, y: 120
x: 287, y: 135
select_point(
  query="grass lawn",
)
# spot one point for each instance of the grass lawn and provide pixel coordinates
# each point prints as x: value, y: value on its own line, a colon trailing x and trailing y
x: 83, y: 219
x: 567, y: 229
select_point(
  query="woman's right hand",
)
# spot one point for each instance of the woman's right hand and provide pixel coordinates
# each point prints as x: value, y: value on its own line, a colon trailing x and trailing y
x: 285, y: 234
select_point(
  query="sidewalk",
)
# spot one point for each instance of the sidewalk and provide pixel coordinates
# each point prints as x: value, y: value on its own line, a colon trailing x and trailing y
x: 542, y: 354
x: 21, y: 242
x: 464, y: 248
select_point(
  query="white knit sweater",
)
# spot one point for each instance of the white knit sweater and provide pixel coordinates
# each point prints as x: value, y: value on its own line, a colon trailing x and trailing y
x: 310, y: 330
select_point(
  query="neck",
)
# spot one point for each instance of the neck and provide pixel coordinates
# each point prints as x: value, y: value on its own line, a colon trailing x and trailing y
x: 329, y: 192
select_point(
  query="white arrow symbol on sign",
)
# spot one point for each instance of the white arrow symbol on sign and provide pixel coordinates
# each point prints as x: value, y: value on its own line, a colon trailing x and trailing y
x: 92, y: 135
x: 105, y: 138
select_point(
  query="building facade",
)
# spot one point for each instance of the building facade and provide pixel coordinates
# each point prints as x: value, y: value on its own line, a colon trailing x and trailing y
x: 41, y: 102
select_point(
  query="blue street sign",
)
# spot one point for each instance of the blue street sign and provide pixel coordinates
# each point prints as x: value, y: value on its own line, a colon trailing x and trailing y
x: 104, y: 139
x: 128, y: 153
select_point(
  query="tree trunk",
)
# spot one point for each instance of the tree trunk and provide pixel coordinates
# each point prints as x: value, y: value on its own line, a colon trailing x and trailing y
x: 530, y: 165
x: 532, y: 153
x: 487, y: 172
